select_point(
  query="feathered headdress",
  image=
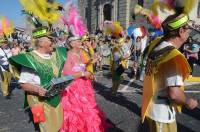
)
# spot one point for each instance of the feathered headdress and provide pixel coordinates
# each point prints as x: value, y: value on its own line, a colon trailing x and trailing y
x: 39, y: 30
x: 45, y: 10
x: 72, y: 20
x: 113, y: 28
x: 153, y: 19
x: 160, y: 9
x: 32, y: 19
x: 6, y: 27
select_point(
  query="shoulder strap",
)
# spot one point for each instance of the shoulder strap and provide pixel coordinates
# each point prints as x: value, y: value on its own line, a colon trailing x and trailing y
x: 158, y: 54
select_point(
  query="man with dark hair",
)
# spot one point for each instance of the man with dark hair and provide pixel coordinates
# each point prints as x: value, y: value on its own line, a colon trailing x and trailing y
x: 166, y: 70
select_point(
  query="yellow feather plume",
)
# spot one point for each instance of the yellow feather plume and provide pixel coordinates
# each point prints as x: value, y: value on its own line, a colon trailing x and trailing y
x: 188, y: 5
x: 7, y: 26
x: 42, y: 9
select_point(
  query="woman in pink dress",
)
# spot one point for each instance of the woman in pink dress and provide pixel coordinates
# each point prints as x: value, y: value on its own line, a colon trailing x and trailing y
x: 81, y: 113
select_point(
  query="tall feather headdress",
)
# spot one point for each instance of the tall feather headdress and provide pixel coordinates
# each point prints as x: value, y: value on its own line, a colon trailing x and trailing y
x: 45, y: 10
x: 73, y: 21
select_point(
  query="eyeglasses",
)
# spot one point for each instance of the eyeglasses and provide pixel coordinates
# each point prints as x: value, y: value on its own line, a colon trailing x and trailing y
x: 188, y: 28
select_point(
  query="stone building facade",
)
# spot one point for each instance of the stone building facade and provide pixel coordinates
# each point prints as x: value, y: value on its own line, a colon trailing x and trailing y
x: 95, y: 12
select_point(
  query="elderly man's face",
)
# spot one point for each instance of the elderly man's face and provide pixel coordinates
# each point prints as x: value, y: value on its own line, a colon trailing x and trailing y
x: 47, y: 44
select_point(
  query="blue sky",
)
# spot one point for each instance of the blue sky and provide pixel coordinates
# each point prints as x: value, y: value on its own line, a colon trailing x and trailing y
x: 12, y: 10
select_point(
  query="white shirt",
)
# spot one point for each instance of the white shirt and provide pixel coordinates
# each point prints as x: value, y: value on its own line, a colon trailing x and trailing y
x: 4, y: 55
x: 126, y: 49
x: 143, y: 43
x: 159, y: 111
x: 29, y: 75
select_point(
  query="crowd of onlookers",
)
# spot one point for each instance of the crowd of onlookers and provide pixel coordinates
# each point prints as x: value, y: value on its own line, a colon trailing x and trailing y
x: 104, y: 44
x: 191, y: 50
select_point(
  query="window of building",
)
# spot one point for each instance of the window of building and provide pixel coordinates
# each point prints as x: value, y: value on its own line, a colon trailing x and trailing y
x: 140, y: 2
x: 198, y: 10
x: 107, y: 11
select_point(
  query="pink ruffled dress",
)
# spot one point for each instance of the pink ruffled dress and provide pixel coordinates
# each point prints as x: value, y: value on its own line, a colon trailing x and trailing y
x: 81, y: 113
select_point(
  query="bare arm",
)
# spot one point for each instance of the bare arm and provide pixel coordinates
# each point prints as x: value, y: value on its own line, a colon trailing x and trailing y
x: 32, y: 89
x: 178, y: 96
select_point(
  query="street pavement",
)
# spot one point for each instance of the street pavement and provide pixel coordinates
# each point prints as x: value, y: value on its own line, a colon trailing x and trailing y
x: 123, y: 110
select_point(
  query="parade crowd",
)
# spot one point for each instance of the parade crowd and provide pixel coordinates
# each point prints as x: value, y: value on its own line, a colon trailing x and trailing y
x: 56, y: 70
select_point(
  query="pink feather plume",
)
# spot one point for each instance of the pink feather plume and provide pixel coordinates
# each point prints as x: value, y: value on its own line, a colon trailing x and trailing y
x: 73, y: 21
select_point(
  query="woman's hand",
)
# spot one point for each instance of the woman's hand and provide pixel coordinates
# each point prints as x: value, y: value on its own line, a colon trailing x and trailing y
x: 87, y: 74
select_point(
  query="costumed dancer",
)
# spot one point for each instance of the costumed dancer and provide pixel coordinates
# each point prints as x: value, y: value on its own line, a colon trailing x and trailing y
x: 89, y: 52
x: 118, y: 65
x: 6, y: 29
x: 5, y: 54
x: 40, y: 66
x: 90, y: 57
x: 166, y: 70
x: 81, y: 112
x: 37, y: 68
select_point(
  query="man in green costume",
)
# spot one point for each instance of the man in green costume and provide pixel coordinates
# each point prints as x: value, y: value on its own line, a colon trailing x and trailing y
x: 37, y: 68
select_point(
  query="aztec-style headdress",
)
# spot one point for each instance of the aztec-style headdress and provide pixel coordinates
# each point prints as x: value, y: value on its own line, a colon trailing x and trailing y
x: 41, y: 10
x: 45, y: 10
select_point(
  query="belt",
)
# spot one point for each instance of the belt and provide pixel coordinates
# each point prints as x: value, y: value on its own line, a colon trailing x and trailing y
x: 162, y: 100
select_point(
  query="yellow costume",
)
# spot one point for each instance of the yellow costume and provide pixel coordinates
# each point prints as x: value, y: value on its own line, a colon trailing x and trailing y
x: 5, y: 84
x: 152, y: 69
x: 88, y: 54
x: 118, y: 65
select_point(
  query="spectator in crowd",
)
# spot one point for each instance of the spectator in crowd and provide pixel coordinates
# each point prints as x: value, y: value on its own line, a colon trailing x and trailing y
x: 16, y: 49
x: 191, y: 50
x: 61, y: 41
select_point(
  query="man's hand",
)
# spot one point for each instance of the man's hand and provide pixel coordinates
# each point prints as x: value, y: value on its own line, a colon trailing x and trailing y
x: 41, y: 91
x: 191, y: 103
x: 178, y: 96
x: 33, y: 89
